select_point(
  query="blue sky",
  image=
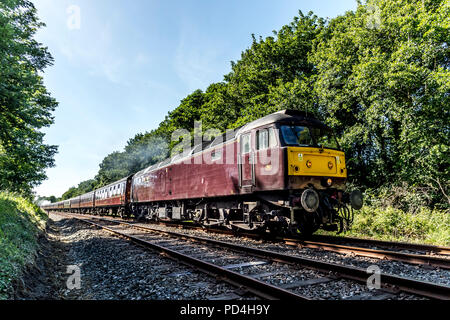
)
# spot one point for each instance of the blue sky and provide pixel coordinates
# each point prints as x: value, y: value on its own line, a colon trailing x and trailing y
x: 130, y: 62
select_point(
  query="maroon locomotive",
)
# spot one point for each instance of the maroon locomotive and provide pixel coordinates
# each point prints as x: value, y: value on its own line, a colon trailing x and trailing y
x: 283, y: 173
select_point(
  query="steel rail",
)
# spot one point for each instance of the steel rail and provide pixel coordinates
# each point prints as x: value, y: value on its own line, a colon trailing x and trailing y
x: 441, y: 250
x: 419, y: 259
x: 392, y: 282
x: 387, y: 244
x: 257, y: 287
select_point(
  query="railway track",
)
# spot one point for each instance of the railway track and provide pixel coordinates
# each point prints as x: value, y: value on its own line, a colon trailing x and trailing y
x: 219, y: 258
x: 389, y: 245
x: 433, y: 256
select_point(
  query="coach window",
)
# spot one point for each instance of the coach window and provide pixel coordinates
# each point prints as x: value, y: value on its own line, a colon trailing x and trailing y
x: 245, y: 144
x: 262, y: 139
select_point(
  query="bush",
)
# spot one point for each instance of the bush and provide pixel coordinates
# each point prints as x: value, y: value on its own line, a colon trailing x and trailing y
x: 20, y: 224
x: 400, y: 196
x: 423, y: 226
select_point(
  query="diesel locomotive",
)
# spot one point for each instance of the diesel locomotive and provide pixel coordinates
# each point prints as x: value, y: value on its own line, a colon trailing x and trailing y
x: 282, y: 173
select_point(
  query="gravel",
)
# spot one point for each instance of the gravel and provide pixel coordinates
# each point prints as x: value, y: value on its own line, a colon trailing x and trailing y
x: 114, y: 268
x: 277, y: 274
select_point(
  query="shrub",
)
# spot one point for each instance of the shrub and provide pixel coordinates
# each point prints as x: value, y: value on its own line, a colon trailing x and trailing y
x: 389, y: 223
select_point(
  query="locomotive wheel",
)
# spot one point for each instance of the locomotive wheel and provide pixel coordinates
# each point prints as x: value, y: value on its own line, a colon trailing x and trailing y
x: 306, y: 225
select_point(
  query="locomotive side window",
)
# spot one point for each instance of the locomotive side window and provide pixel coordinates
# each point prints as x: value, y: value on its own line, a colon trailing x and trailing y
x: 245, y: 144
x: 272, y: 138
x: 262, y: 139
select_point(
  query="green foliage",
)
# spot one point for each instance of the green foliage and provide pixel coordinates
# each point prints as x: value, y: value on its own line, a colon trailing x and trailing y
x: 260, y: 82
x: 20, y: 223
x: 384, y: 87
x: 25, y: 104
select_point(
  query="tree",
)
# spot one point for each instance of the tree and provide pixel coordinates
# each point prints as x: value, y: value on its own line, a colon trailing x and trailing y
x: 383, y: 81
x: 260, y: 78
x: 25, y: 104
x: 113, y: 168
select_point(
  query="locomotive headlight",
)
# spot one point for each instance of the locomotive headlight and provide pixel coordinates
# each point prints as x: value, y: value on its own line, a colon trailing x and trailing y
x: 330, y: 165
x: 310, y: 200
x: 309, y: 163
x: 329, y: 182
x: 356, y: 199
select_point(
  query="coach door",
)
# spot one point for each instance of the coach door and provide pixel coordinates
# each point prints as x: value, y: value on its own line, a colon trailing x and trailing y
x: 128, y: 189
x: 246, y: 169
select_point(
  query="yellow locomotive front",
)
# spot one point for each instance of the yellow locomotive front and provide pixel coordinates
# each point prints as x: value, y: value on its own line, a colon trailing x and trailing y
x: 316, y: 179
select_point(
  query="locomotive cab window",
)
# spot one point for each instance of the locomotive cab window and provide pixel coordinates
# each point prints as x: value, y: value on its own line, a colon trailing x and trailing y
x: 245, y: 144
x: 308, y: 137
x: 325, y: 138
x: 296, y: 136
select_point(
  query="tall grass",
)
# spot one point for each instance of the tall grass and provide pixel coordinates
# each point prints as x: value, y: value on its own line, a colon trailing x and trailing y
x: 20, y: 224
x: 388, y: 223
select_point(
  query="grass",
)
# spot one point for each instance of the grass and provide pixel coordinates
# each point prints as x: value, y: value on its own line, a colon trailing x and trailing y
x: 425, y: 226
x: 20, y: 224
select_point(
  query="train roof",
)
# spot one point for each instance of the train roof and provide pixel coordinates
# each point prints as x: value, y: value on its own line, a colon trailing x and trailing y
x: 285, y: 116
x: 111, y: 184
